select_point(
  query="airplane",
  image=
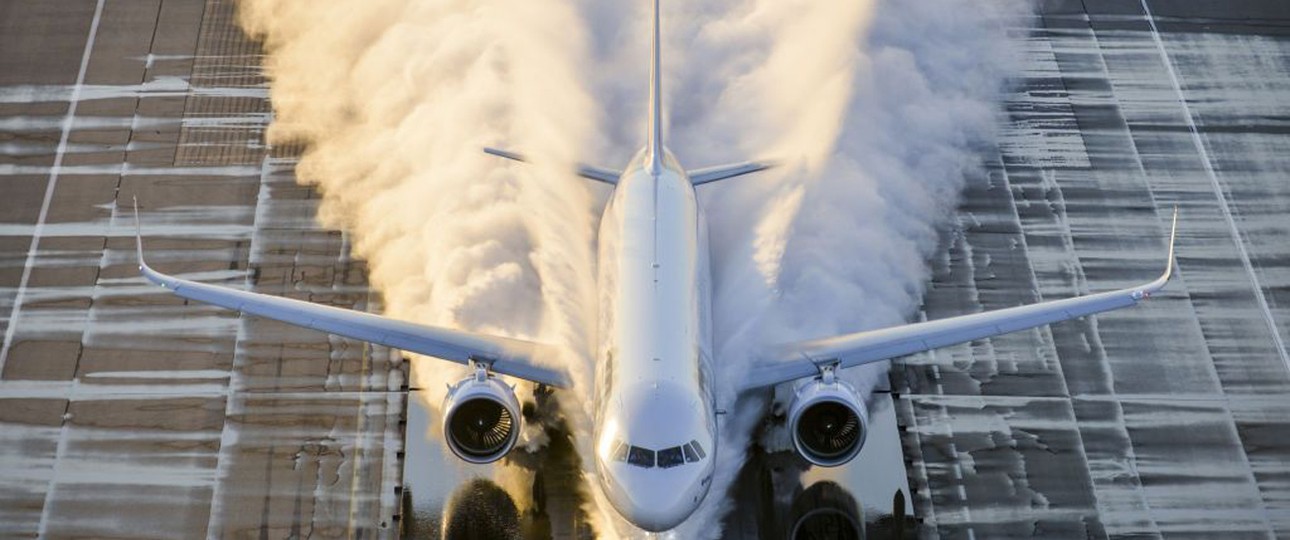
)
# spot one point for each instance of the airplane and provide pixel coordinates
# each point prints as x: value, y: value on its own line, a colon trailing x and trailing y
x: 655, y: 433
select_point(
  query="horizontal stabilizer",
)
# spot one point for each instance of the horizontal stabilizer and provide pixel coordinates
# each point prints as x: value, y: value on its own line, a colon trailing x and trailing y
x: 722, y: 172
x: 599, y: 174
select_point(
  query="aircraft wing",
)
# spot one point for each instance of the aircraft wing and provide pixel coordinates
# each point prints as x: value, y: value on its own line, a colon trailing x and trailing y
x: 508, y: 356
x: 793, y: 361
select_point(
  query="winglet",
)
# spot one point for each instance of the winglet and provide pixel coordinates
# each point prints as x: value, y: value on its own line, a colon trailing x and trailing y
x: 138, y: 238
x: 147, y: 271
x: 1147, y: 290
x: 1173, y: 235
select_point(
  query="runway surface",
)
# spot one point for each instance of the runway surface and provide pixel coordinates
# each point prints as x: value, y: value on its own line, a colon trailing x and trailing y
x: 1164, y: 421
x: 126, y: 413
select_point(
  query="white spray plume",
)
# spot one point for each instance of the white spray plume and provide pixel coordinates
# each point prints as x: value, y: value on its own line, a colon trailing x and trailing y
x: 878, y: 110
x: 873, y: 108
x: 394, y: 100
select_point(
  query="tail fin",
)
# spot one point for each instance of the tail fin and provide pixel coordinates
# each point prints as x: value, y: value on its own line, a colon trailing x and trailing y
x: 654, y: 146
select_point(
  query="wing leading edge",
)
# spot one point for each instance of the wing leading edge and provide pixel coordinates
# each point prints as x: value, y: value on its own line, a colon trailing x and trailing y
x: 793, y: 361
x: 508, y: 356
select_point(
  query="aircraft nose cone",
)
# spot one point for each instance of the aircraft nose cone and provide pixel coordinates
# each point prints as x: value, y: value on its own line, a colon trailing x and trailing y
x: 657, y: 514
x: 652, y: 499
x: 657, y: 523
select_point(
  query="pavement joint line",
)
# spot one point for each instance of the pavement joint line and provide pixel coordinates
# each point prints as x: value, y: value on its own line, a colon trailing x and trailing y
x: 49, y: 192
x: 1218, y: 189
x: 229, y: 433
x: 1138, y: 490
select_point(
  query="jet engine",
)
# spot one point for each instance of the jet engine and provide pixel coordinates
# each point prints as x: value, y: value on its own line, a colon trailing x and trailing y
x: 827, y: 420
x: 481, y: 418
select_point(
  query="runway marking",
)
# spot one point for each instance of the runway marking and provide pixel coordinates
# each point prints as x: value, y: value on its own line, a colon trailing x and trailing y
x: 1135, y: 488
x: 1218, y: 190
x: 359, y: 435
x: 49, y: 194
x: 61, y: 449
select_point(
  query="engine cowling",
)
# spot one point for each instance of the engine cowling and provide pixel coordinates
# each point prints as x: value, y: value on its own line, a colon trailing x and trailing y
x: 481, y: 420
x: 828, y: 421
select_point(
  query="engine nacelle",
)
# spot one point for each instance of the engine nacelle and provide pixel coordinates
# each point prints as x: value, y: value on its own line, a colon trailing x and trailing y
x: 481, y: 419
x: 828, y: 421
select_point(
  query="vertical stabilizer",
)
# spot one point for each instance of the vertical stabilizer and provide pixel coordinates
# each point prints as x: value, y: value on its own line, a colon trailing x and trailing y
x: 654, y: 145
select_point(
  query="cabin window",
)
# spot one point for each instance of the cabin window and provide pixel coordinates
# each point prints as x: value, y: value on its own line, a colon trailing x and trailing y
x: 670, y: 457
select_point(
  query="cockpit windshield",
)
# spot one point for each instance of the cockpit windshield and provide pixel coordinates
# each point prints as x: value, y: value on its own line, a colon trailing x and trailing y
x: 641, y: 457
x: 690, y: 454
x: 698, y: 449
x: 666, y: 458
x: 670, y: 457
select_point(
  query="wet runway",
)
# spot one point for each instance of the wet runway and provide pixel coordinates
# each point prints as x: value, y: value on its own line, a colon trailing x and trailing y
x: 125, y: 413
x: 1168, y: 420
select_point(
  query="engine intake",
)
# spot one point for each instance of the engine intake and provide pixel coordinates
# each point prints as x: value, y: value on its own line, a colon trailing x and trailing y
x: 481, y: 418
x: 828, y: 421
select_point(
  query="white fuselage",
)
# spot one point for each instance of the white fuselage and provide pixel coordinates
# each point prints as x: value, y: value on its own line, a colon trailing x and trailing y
x: 654, y: 404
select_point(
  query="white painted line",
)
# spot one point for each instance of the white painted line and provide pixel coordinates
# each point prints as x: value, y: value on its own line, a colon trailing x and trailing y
x: 42, y: 528
x: 49, y: 195
x: 360, y: 420
x: 1218, y: 190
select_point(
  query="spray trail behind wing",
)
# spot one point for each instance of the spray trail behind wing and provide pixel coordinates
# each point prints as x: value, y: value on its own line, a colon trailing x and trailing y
x: 872, y: 106
x: 394, y: 100
x: 748, y: 79
x: 878, y: 110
